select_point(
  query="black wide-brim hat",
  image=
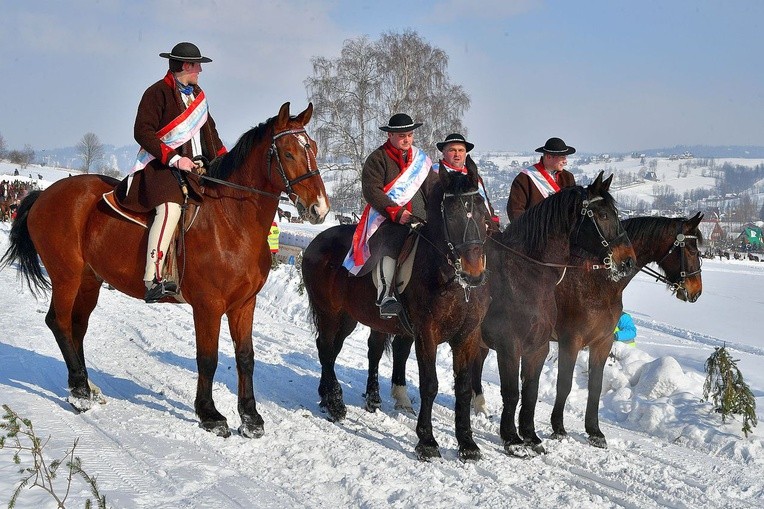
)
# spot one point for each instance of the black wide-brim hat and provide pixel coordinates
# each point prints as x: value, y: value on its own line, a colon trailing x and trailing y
x: 557, y: 147
x: 454, y: 138
x: 400, y: 123
x: 186, y: 52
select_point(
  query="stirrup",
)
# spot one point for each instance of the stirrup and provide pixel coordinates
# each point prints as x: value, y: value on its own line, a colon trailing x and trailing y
x: 159, y: 290
x: 389, y: 307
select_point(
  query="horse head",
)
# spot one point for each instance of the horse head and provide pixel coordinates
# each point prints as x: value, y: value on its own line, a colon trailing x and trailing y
x: 463, y: 213
x: 683, y: 270
x: 293, y: 153
x: 600, y: 231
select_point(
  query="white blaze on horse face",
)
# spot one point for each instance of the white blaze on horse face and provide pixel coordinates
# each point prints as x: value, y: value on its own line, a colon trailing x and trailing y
x: 323, y: 206
x: 302, y: 139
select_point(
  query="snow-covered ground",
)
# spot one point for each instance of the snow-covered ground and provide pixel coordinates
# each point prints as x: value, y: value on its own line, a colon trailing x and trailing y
x: 666, y: 446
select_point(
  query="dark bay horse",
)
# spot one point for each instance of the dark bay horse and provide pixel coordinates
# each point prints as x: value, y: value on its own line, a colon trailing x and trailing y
x: 83, y: 242
x: 527, y: 261
x: 444, y: 300
x: 589, y: 307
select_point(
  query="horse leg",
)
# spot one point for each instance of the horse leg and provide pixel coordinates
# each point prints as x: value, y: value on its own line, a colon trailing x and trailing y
x: 464, y: 356
x: 598, y: 354
x: 509, y: 374
x: 376, y: 343
x: 59, y: 320
x: 531, y: 373
x: 240, y: 326
x: 331, y: 336
x: 478, y: 399
x: 566, y: 364
x: 207, y: 326
x: 426, y: 347
x: 401, y: 351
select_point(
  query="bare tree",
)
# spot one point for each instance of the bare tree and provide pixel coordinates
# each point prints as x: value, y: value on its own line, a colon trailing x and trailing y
x: 369, y: 82
x: 22, y: 157
x: 3, y: 148
x: 90, y: 149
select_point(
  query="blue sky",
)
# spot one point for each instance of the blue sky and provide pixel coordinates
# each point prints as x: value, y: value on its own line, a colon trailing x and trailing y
x: 605, y: 75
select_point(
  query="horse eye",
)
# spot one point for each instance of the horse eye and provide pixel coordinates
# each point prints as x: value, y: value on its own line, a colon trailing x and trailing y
x: 288, y: 155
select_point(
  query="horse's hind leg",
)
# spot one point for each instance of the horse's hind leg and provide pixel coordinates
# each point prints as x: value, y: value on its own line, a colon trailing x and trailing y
x: 428, y: 388
x: 376, y: 345
x: 476, y: 377
x: 566, y: 364
x: 531, y: 374
x: 207, y: 326
x: 331, y: 336
x: 463, y: 357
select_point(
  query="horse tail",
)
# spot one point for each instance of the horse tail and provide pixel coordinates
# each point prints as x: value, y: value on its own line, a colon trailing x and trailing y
x: 22, y: 249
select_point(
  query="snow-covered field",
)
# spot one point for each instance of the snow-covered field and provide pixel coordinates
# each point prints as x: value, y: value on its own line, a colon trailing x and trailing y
x: 666, y: 447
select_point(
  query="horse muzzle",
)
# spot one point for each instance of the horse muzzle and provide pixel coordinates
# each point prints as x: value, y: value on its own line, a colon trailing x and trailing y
x: 315, y: 213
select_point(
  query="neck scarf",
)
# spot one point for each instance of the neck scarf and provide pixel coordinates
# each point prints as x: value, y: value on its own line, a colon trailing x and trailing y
x: 396, y: 155
x: 184, y: 89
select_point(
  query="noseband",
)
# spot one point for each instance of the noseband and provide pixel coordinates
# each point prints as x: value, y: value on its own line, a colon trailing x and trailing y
x: 679, y: 242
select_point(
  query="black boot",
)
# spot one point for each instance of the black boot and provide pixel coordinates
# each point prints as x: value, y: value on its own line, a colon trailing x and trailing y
x: 160, y: 289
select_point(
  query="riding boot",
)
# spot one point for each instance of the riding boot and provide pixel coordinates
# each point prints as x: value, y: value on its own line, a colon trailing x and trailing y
x: 384, y: 280
x: 160, y: 236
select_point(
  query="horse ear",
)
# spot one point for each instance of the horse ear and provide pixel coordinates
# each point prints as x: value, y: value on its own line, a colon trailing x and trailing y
x: 694, y: 221
x: 304, y: 117
x: 607, y: 182
x: 443, y: 173
x: 597, y: 182
x: 283, y: 117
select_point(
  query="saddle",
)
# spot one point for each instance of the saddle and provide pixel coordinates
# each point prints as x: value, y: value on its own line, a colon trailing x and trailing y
x: 170, y: 270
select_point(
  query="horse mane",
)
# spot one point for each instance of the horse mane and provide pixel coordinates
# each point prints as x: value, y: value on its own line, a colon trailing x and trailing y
x: 222, y: 167
x: 458, y: 183
x: 650, y: 227
x: 553, y: 217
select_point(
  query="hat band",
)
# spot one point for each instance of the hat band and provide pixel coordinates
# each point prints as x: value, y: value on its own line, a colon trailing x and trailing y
x: 181, y: 57
x: 399, y: 126
x: 555, y: 151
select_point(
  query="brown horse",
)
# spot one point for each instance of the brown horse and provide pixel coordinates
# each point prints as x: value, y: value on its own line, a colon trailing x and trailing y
x: 445, y: 301
x: 589, y: 307
x: 527, y: 261
x: 82, y: 243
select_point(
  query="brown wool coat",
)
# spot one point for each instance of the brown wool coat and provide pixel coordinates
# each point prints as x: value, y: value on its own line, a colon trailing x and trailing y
x: 524, y: 194
x: 379, y: 170
x: 155, y: 184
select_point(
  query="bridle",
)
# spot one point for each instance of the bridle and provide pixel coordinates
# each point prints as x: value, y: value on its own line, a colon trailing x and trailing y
x: 452, y: 257
x: 273, y: 154
x: 679, y: 242
x: 454, y: 248
x: 607, y: 260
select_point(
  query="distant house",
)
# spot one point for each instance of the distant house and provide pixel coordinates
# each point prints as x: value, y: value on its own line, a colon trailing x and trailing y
x: 712, y: 231
x: 650, y: 175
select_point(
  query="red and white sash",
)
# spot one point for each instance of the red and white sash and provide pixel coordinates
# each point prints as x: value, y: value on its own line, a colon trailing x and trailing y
x: 541, y: 178
x: 179, y: 131
x: 401, y: 190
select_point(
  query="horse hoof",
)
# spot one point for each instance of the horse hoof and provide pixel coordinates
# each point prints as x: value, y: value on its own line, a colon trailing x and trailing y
x: 83, y: 401
x: 471, y: 454
x: 426, y: 452
x: 373, y: 403
x: 251, y: 428
x: 598, y: 442
x: 219, y: 428
x: 524, y: 450
x: 406, y: 409
x: 559, y: 435
x: 536, y: 449
x: 337, y: 412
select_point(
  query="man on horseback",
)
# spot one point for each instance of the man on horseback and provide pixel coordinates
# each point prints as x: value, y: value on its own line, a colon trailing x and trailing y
x: 396, y: 179
x: 544, y: 178
x: 174, y: 130
x: 456, y: 157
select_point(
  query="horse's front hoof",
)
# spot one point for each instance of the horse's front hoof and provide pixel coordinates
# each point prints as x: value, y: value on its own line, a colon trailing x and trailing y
x: 470, y: 453
x: 83, y: 400
x: 219, y: 428
x: 252, y: 427
x: 559, y: 435
x: 425, y: 452
x: 536, y: 449
x: 599, y: 442
x: 373, y: 402
x: 336, y: 409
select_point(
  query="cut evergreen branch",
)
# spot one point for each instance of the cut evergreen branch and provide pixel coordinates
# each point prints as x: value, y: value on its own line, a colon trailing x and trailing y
x: 18, y: 434
x: 728, y: 390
